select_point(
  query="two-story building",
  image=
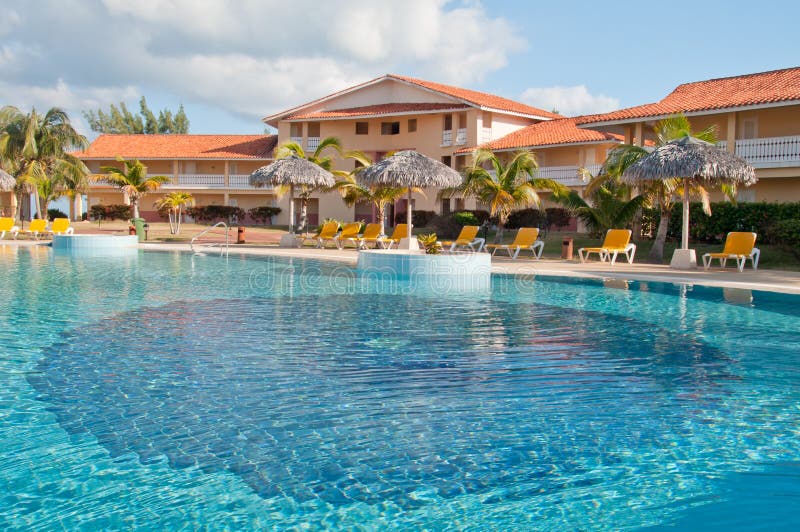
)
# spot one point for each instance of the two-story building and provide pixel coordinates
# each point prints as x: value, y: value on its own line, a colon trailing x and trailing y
x: 215, y: 169
x: 756, y: 116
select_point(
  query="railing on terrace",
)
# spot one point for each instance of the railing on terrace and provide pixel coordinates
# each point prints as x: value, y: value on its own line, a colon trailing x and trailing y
x: 313, y: 143
x: 198, y: 181
x: 461, y: 136
x: 297, y: 140
x: 566, y: 175
x: 447, y: 137
x: 242, y: 181
x: 768, y: 152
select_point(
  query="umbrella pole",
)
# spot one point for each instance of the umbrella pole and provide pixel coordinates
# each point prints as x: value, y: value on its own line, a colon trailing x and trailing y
x: 291, y: 209
x: 408, y: 213
x: 685, y: 231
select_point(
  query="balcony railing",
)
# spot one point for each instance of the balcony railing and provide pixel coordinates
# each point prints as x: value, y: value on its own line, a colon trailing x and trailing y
x: 297, y: 140
x: 461, y: 136
x: 242, y: 181
x: 313, y: 143
x: 447, y: 137
x: 198, y: 181
x: 486, y: 135
x: 768, y: 152
x: 567, y: 175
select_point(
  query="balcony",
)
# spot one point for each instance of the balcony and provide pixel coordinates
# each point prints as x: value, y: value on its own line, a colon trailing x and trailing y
x: 461, y: 136
x: 313, y: 143
x: 486, y: 135
x: 242, y: 182
x: 296, y: 140
x: 566, y: 175
x: 768, y: 152
x: 447, y: 137
x: 198, y: 181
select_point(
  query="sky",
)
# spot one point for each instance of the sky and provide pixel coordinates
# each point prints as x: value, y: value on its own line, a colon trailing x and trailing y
x: 230, y: 63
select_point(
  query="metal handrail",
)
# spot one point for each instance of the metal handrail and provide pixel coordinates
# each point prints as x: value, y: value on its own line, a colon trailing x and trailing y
x: 206, y: 230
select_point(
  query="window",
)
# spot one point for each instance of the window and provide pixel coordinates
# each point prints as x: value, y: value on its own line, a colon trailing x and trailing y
x: 459, y: 204
x: 233, y: 168
x: 390, y: 128
x: 296, y: 129
x: 313, y: 129
x: 749, y: 129
x: 188, y: 167
x: 447, y: 160
x: 446, y: 206
x: 412, y: 125
x: 462, y: 120
x: 362, y: 128
x: 448, y: 122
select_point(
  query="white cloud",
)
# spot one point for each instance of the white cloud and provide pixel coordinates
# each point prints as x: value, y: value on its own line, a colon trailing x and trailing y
x: 251, y: 57
x: 569, y: 101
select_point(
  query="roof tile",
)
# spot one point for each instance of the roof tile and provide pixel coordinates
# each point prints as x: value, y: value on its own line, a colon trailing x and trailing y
x: 552, y: 132
x: 720, y: 93
x: 181, y: 147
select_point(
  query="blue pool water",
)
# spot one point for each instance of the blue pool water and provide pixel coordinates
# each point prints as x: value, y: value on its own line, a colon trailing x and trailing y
x: 171, y: 391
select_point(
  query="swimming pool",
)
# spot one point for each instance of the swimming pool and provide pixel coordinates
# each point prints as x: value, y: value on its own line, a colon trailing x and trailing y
x: 168, y: 390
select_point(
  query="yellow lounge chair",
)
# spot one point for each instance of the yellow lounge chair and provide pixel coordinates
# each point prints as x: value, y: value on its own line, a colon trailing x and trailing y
x: 36, y: 226
x: 527, y: 238
x: 326, y: 234
x: 616, y: 241
x: 738, y: 246
x: 468, y: 239
x: 61, y: 227
x: 400, y: 231
x: 372, y: 233
x: 7, y: 226
x: 349, y: 233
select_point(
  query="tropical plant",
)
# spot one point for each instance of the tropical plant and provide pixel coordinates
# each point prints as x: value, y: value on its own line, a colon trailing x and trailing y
x: 609, y: 209
x: 321, y: 157
x: 36, y: 148
x: 504, y: 187
x: 662, y: 194
x: 173, y: 203
x: 381, y: 196
x: 429, y: 243
x: 121, y: 120
x: 263, y: 214
x: 133, y: 180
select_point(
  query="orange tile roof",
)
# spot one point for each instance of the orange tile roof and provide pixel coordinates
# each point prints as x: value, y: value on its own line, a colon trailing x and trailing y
x: 721, y: 93
x: 550, y: 133
x: 482, y: 99
x: 380, y: 109
x: 181, y: 147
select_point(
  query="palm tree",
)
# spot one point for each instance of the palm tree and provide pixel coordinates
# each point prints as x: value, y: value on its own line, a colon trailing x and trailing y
x: 133, y: 180
x: 37, y: 148
x: 505, y: 187
x: 379, y: 195
x: 320, y: 157
x: 610, y: 208
x: 662, y: 193
x: 173, y: 203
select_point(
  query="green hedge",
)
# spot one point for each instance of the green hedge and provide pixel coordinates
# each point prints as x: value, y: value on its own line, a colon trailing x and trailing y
x: 110, y: 212
x: 766, y: 219
x: 217, y: 213
x: 263, y: 214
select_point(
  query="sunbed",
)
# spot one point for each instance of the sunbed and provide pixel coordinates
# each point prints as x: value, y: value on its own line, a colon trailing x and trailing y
x: 527, y: 238
x: 36, y: 226
x: 400, y: 231
x: 739, y: 246
x: 371, y: 235
x: 616, y: 241
x: 7, y: 226
x: 467, y: 239
x: 326, y: 234
x: 61, y: 226
x: 349, y: 234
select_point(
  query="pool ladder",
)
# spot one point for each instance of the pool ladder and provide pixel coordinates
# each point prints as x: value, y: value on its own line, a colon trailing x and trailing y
x: 223, y: 247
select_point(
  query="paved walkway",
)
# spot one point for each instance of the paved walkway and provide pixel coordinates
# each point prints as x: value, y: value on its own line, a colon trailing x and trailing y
x: 769, y: 280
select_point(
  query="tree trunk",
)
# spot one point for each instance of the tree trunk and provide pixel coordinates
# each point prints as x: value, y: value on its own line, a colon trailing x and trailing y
x: 501, y: 227
x: 381, y: 215
x: 178, y: 220
x: 14, y: 204
x: 79, y: 207
x: 303, y: 213
x: 657, y: 251
x: 135, y: 206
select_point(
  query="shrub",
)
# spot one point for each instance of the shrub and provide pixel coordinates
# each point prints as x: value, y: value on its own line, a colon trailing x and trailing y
x: 558, y: 217
x: 481, y: 215
x: 445, y: 226
x: 264, y: 214
x: 418, y: 218
x: 217, y: 213
x: 110, y: 212
x: 526, y: 218
x: 786, y: 233
x: 726, y: 216
x: 52, y: 214
x: 466, y: 218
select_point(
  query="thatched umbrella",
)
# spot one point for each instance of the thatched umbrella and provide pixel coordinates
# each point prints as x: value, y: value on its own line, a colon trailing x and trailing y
x: 7, y: 181
x: 292, y: 171
x: 694, y: 160
x: 410, y: 169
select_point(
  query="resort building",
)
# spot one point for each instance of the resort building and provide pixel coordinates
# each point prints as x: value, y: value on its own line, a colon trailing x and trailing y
x: 215, y: 169
x: 757, y: 116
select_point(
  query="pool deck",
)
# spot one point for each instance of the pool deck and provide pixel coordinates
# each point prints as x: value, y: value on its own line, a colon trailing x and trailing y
x: 769, y: 280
